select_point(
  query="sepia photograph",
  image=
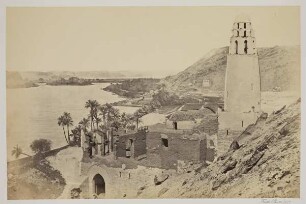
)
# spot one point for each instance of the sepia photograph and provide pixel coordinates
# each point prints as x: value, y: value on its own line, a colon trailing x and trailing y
x: 152, y: 102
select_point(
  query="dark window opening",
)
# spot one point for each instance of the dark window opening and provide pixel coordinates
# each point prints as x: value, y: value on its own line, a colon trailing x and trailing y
x: 244, y: 34
x: 129, y: 150
x: 175, y: 125
x: 99, y: 184
x: 226, y: 132
x: 244, y: 25
x: 241, y: 123
x: 236, y: 44
x: 245, y: 47
x: 165, y: 142
x: 238, y: 25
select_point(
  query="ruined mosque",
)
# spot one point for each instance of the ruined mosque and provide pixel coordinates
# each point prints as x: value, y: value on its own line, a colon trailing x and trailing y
x: 121, y: 158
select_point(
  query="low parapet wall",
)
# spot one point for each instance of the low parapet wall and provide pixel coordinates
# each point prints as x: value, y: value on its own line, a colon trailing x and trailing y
x: 23, y: 163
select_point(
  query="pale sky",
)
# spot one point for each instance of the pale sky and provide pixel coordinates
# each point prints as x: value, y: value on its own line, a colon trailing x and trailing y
x: 160, y: 40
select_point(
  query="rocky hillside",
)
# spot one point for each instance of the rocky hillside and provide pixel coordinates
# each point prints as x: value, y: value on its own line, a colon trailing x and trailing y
x: 15, y: 80
x: 265, y: 162
x: 279, y: 67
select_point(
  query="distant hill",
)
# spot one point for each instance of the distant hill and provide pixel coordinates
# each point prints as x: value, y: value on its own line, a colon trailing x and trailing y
x: 57, y: 75
x: 14, y: 80
x: 279, y: 67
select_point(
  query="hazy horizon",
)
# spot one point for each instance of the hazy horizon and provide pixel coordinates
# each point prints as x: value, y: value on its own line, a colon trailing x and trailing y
x: 159, y: 41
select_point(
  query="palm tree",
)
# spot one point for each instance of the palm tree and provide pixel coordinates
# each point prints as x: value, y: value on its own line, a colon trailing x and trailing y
x: 93, y: 106
x: 103, y: 111
x: 126, y: 120
x: 137, y: 115
x: 61, y: 121
x: 17, y: 151
x: 84, y: 123
x: 97, y: 120
x: 68, y: 122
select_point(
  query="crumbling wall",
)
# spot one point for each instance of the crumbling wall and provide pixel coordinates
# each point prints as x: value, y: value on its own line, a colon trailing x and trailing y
x: 139, y: 140
x: 184, y: 149
x: 140, y: 146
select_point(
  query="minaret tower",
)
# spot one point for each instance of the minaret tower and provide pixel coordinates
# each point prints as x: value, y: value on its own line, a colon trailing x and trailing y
x: 242, y: 87
x: 242, y: 100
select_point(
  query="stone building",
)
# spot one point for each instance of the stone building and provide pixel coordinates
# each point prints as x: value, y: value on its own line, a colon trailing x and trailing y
x: 166, y: 147
x: 242, y: 99
x: 206, y: 83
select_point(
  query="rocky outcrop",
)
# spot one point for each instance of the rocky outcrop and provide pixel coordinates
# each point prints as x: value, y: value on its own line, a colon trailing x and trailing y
x: 266, y: 164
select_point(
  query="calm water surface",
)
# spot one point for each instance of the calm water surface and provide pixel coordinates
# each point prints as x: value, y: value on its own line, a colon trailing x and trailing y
x: 32, y: 112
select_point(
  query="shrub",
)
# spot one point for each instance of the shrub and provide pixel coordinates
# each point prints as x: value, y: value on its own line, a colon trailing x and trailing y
x: 41, y: 145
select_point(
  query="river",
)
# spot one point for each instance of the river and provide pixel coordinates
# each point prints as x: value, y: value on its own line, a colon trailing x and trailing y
x: 32, y: 112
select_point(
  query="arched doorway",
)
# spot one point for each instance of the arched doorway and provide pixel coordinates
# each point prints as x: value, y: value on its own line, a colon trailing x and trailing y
x: 98, y: 184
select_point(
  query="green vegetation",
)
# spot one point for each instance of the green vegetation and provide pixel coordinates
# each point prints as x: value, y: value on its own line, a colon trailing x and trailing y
x: 41, y: 145
x: 72, y: 81
x: 132, y: 88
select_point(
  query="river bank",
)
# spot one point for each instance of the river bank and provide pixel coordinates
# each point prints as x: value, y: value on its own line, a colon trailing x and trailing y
x: 34, y: 115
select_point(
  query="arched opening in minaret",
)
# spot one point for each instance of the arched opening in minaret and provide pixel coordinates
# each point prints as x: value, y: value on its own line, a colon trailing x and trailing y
x: 246, y: 47
x: 236, y: 46
x: 244, y: 34
x: 244, y: 25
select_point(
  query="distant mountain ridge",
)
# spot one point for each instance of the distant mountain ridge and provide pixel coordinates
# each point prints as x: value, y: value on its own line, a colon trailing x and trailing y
x: 55, y: 75
x: 279, y: 68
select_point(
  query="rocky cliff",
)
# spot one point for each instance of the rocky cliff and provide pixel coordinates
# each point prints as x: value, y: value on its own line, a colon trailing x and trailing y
x: 279, y: 68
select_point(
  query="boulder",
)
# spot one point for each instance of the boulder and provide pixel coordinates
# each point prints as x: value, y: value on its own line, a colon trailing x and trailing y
x: 160, y: 179
x: 234, y: 146
x: 75, y: 193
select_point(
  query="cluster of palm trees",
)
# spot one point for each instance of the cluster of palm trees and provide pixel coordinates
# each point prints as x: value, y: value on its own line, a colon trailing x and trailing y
x: 65, y: 120
x: 100, y: 117
x: 106, y: 116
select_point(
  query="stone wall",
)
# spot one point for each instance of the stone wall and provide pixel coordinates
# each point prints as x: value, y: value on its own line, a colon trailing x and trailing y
x: 181, y: 125
x: 119, y: 183
x: 27, y: 162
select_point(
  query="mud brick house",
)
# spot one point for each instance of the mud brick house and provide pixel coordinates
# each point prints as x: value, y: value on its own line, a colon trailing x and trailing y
x: 165, y: 147
x: 131, y: 145
x: 188, y: 116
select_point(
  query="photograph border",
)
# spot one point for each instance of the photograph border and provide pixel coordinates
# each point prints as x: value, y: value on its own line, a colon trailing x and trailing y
x: 93, y: 3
